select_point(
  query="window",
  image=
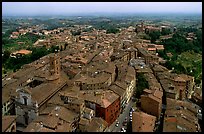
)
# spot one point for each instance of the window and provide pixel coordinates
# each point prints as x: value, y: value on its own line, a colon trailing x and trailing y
x: 25, y: 100
x: 57, y: 70
x: 26, y: 118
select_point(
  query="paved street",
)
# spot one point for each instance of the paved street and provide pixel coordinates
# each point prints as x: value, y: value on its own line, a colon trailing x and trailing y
x: 121, y: 118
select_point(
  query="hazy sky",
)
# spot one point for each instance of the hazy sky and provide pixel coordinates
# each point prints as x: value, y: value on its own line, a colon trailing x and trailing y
x: 63, y: 8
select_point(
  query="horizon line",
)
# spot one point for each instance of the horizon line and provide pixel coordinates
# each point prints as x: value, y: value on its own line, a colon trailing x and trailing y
x: 101, y: 13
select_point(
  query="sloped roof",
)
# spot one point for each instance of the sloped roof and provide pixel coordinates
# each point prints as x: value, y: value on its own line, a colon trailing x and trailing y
x: 142, y: 122
x: 7, y: 121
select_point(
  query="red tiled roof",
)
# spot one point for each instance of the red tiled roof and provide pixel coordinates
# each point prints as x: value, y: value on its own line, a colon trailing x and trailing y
x: 23, y: 52
x: 171, y: 119
x: 7, y: 121
x: 143, y: 122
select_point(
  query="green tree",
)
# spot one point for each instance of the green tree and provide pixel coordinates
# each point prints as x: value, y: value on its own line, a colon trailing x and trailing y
x: 154, y: 36
x: 163, y: 54
x: 38, y: 53
x: 166, y: 31
x: 75, y: 33
x: 112, y: 30
x: 6, y: 56
x: 141, y: 85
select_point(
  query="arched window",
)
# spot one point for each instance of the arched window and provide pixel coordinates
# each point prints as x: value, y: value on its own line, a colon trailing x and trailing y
x: 25, y: 100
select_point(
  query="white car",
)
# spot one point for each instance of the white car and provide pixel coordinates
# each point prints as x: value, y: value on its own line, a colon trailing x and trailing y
x: 123, y: 129
x: 117, y: 124
x: 133, y: 110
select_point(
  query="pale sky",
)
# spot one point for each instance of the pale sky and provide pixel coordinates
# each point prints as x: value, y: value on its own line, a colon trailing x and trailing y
x: 63, y: 8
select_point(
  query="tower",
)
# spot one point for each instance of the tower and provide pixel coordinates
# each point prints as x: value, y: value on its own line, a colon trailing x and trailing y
x: 142, y: 25
x: 55, y: 64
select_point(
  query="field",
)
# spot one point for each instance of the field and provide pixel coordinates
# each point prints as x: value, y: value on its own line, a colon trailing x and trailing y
x: 191, y: 61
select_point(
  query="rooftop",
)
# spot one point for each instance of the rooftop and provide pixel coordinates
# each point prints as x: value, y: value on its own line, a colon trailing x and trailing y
x: 97, y: 124
x: 23, y: 51
x: 104, y: 98
x: 7, y: 121
x: 180, y: 116
x: 143, y: 122
x: 118, y: 90
x: 54, y: 119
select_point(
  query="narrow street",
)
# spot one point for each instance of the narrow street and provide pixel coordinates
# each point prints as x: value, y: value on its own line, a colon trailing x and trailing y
x: 121, y: 118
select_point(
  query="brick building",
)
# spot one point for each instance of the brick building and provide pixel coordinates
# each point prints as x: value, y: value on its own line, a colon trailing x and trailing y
x: 97, y: 124
x: 143, y: 122
x: 184, y: 84
x: 28, y: 101
x: 152, y: 103
x: 149, y: 58
x: 105, y: 103
x: 180, y: 116
x: 54, y: 119
x: 98, y: 75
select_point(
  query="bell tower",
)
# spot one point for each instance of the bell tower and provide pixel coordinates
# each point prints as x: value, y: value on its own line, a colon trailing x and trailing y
x: 55, y: 64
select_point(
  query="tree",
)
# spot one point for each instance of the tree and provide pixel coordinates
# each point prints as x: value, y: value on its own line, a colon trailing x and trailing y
x: 154, y: 36
x: 163, y: 54
x: 38, y: 53
x: 165, y: 31
x: 6, y: 56
x: 112, y: 30
x: 74, y: 33
x: 141, y: 84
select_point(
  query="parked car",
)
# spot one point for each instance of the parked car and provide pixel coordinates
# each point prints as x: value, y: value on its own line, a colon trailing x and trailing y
x: 125, y: 123
x: 130, y: 114
x: 123, y: 129
x: 133, y: 110
x: 117, y: 124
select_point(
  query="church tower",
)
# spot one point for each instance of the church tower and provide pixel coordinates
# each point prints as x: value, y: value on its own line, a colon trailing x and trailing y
x: 55, y: 64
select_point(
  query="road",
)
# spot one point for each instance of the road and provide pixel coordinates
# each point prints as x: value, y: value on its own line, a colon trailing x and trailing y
x: 121, y: 118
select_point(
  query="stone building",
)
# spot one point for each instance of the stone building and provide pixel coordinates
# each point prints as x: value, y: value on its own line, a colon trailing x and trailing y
x: 149, y: 58
x: 180, y: 116
x: 151, y: 103
x: 34, y: 93
x: 97, y: 124
x: 105, y: 103
x: 54, y: 119
x: 185, y: 84
x: 98, y: 75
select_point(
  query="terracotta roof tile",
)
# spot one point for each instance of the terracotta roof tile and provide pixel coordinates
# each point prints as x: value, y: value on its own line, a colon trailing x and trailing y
x: 7, y: 121
x: 142, y: 122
